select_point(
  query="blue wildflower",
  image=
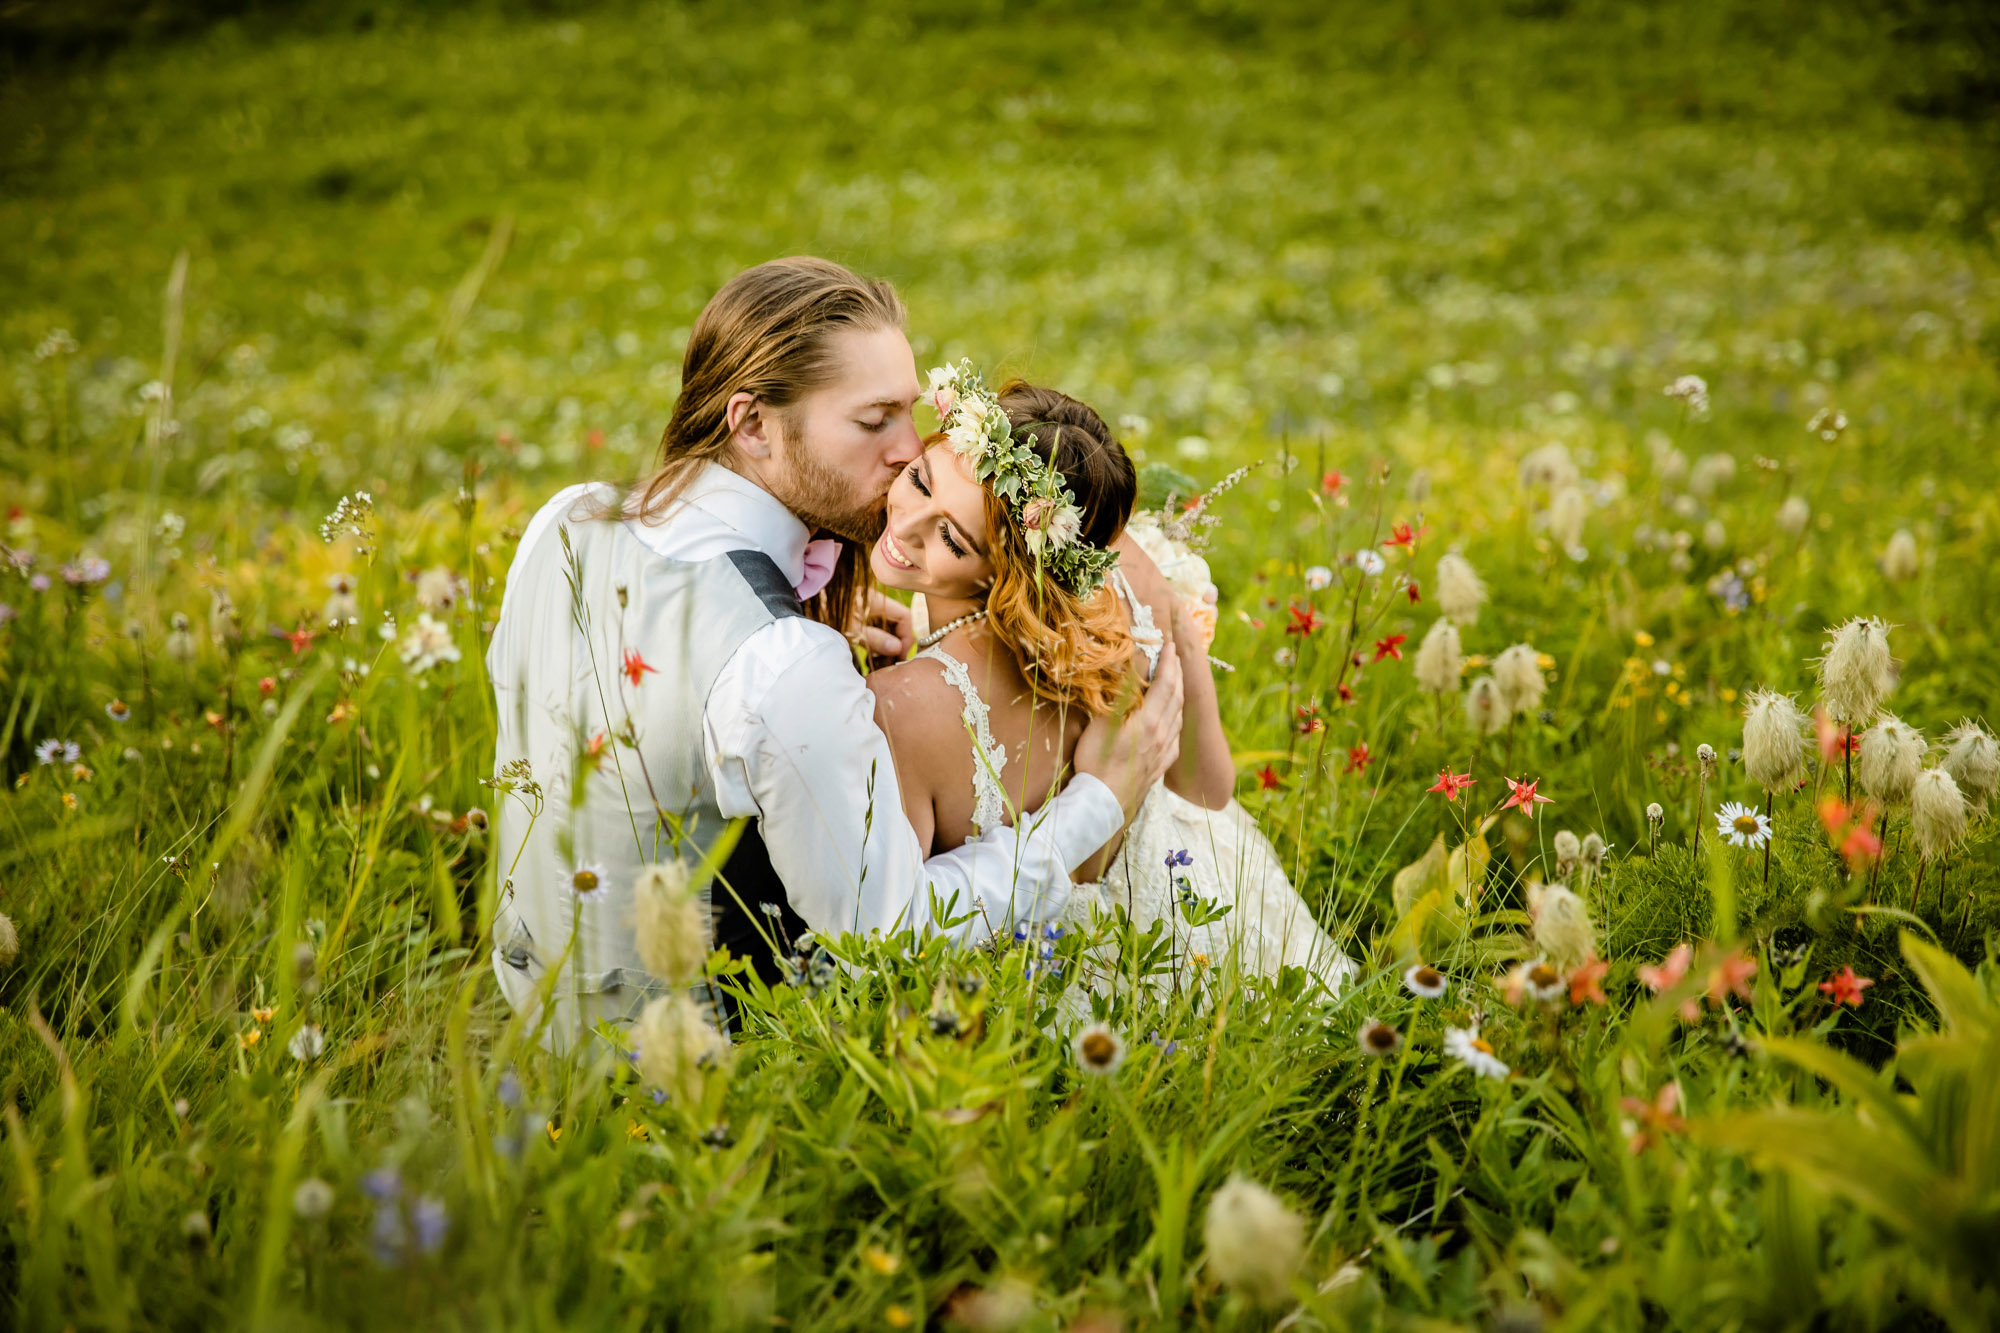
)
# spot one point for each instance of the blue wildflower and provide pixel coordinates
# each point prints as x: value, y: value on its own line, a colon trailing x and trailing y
x: 382, y: 1184
x: 431, y: 1220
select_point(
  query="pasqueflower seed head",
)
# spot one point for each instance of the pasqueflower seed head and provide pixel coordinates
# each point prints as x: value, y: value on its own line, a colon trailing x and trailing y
x: 1856, y: 672
x: 1890, y: 757
x: 1439, y: 660
x: 1774, y: 740
x: 1937, y: 813
x: 1519, y: 676
x: 1254, y: 1241
x: 1972, y: 757
x: 1460, y: 592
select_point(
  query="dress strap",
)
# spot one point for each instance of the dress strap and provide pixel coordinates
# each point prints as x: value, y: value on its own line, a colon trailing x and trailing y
x: 989, y: 801
x: 1145, y: 633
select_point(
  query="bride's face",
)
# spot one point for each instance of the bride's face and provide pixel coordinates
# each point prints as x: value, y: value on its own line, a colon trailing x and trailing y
x: 935, y: 541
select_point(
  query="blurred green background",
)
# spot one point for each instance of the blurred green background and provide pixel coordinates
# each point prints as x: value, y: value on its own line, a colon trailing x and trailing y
x: 1224, y: 218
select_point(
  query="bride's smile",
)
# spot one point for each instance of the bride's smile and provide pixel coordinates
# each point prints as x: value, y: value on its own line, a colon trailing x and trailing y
x: 935, y: 539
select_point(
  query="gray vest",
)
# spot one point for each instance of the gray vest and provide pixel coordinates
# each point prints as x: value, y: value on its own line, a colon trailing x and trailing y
x: 620, y: 766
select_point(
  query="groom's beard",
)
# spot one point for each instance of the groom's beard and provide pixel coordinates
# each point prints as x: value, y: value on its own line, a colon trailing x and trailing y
x: 822, y: 500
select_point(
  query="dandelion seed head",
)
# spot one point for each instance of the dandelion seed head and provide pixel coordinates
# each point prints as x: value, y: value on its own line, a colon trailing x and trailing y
x: 1774, y: 740
x: 1439, y: 662
x: 672, y: 925
x: 1972, y: 757
x: 1254, y: 1241
x: 1899, y: 558
x: 1856, y: 672
x: 312, y: 1198
x: 1937, y: 813
x: 1890, y: 757
x: 1460, y: 592
x: 1560, y: 925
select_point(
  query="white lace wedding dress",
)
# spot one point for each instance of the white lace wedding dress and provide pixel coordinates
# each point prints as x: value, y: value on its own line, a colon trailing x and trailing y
x: 1221, y: 855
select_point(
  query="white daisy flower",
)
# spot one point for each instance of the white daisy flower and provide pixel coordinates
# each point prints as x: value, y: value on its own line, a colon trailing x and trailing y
x: 1424, y: 981
x: 1098, y: 1049
x: 308, y: 1043
x: 587, y: 882
x: 48, y: 752
x: 1378, y: 1039
x: 1467, y: 1047
x: 1742, y: 825
x: 1318, y: 576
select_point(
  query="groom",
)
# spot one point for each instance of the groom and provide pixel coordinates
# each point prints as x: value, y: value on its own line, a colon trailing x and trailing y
x: 673, y: 660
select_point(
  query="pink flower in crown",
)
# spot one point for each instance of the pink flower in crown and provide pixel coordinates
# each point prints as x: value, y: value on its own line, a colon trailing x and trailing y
x: 943, y: 399
x: 1049, y: 519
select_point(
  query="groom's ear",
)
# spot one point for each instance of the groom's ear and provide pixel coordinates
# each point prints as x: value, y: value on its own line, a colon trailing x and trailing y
x: 750, y: 426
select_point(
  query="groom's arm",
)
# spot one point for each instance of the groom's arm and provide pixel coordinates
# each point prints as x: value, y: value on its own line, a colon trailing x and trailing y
x: 792, y: 740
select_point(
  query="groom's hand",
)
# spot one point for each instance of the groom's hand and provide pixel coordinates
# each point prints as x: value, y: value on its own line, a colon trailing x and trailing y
x: 1129, y: 754
x: 884, y: 628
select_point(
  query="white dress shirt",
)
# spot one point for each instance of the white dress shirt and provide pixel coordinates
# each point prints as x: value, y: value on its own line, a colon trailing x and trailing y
x: 790, y: 739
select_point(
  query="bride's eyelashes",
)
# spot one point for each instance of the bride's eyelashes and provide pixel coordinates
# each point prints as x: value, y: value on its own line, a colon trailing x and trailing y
x: 917, y: 480
x: 944, y: 532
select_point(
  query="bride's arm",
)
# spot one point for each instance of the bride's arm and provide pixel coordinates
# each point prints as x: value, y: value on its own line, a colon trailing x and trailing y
x: 1205, y: 773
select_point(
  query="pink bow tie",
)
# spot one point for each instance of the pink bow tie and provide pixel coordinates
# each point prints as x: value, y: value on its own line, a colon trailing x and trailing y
x: 821, y: 557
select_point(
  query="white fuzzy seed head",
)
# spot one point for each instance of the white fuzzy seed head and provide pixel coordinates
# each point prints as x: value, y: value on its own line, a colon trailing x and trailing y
x: 1254, y: 1241
x: 1774, y: 740
x: 1561, y: 926
x: 1888, y: 761
x: 671, y: 924
x: 1439, y: 661
x: 1520, y: 679
x: 1460, y: 591
x: 1549, y: 467
x: 678, y: 1047
x: 10, y: 941
x: 1714, y: 534
x: 1484, y: 708
x: 1566, y: 514
x: 1569, y: 852
x: 1793, y: 515
x: 1937, y: 814
x: 1972, y: 757
x: 1899, y: 557
x: 1711, y: 473
x: 1594, y: 853
x: 1856, y: 672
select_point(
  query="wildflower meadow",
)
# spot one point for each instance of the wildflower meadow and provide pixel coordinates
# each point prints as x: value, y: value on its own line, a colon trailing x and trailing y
x: 1587, y: 412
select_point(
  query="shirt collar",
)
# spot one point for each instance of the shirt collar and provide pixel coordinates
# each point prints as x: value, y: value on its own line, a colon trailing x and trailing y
x: 751, y: 512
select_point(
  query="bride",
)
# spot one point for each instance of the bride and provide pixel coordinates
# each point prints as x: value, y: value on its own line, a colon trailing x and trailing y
x: 1046, y: 612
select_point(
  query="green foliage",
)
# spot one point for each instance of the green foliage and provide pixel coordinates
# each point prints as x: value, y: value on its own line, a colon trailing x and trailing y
x: 1379, y: 255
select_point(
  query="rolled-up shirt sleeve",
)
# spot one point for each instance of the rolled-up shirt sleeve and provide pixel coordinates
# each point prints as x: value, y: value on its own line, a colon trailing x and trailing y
x: 790, y: 733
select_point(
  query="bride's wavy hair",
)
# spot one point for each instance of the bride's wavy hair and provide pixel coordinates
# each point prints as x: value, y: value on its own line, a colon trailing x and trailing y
x: 1071, y: 649
x: 769, y: 332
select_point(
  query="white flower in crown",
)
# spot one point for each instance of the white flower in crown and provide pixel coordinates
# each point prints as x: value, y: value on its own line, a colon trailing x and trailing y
x: 1047, y: 519
x: 967, y: 440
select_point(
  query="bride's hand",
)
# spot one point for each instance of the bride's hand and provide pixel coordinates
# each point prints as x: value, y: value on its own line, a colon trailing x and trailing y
x: 882, y: 626
x: 1130, y: 753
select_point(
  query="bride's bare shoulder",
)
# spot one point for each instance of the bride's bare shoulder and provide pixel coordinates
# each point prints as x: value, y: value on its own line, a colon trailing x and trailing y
x: 913, y: 697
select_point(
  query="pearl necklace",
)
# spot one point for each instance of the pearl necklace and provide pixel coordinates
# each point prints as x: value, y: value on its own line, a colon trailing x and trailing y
x: 936, y: 636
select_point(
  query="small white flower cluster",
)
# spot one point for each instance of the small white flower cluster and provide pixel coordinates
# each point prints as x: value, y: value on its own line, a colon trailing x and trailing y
x: 353, y: 517
x: 1693, y: 391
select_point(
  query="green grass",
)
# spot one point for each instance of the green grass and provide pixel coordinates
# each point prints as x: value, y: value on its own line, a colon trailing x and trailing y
x: 465, y: 251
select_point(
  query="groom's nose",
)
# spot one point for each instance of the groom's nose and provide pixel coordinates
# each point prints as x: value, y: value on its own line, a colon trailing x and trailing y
x: 903, y: 446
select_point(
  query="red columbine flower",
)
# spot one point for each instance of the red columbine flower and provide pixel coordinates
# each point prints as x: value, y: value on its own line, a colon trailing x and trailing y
x: 1400, y: 535
x: 1451, y: 784
x: 300, y: 639
x: 1522, y: 796
x: 1416, y: 593
x: 1268, y: 779
x: 1345, y: 691
x: 1332, y: 482
x: 1843, y: 987
x: 1390, y: 647
x: 1304, y: 620
x: 636, y: 666
x: 1358, y: 758
x: 1657, y: 1117
x: 1731, y: 976
x: 1851, y: 831
x: 1584, y: 984
x: 1308, y: 720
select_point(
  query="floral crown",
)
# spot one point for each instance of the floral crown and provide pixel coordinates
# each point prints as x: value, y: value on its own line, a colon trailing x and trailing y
x: 1008, y: 466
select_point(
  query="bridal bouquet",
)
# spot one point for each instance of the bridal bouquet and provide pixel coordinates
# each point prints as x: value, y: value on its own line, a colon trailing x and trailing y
x: 1185, y: 570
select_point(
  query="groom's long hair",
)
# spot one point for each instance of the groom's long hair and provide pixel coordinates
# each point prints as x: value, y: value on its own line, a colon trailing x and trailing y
x: 768, y: 332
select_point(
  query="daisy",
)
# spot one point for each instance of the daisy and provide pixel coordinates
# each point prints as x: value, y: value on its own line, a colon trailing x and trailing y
x: 1424, y: 981
x: 1098, y: 1049
x: 54, y: 751
x: 1542, y: 981
x: 587, y: 882
x: 1318, y: 576
x: 1471, y: 1050
x: 1378, y: 1039
x: 1742, y: 825
x: 118, y: 711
